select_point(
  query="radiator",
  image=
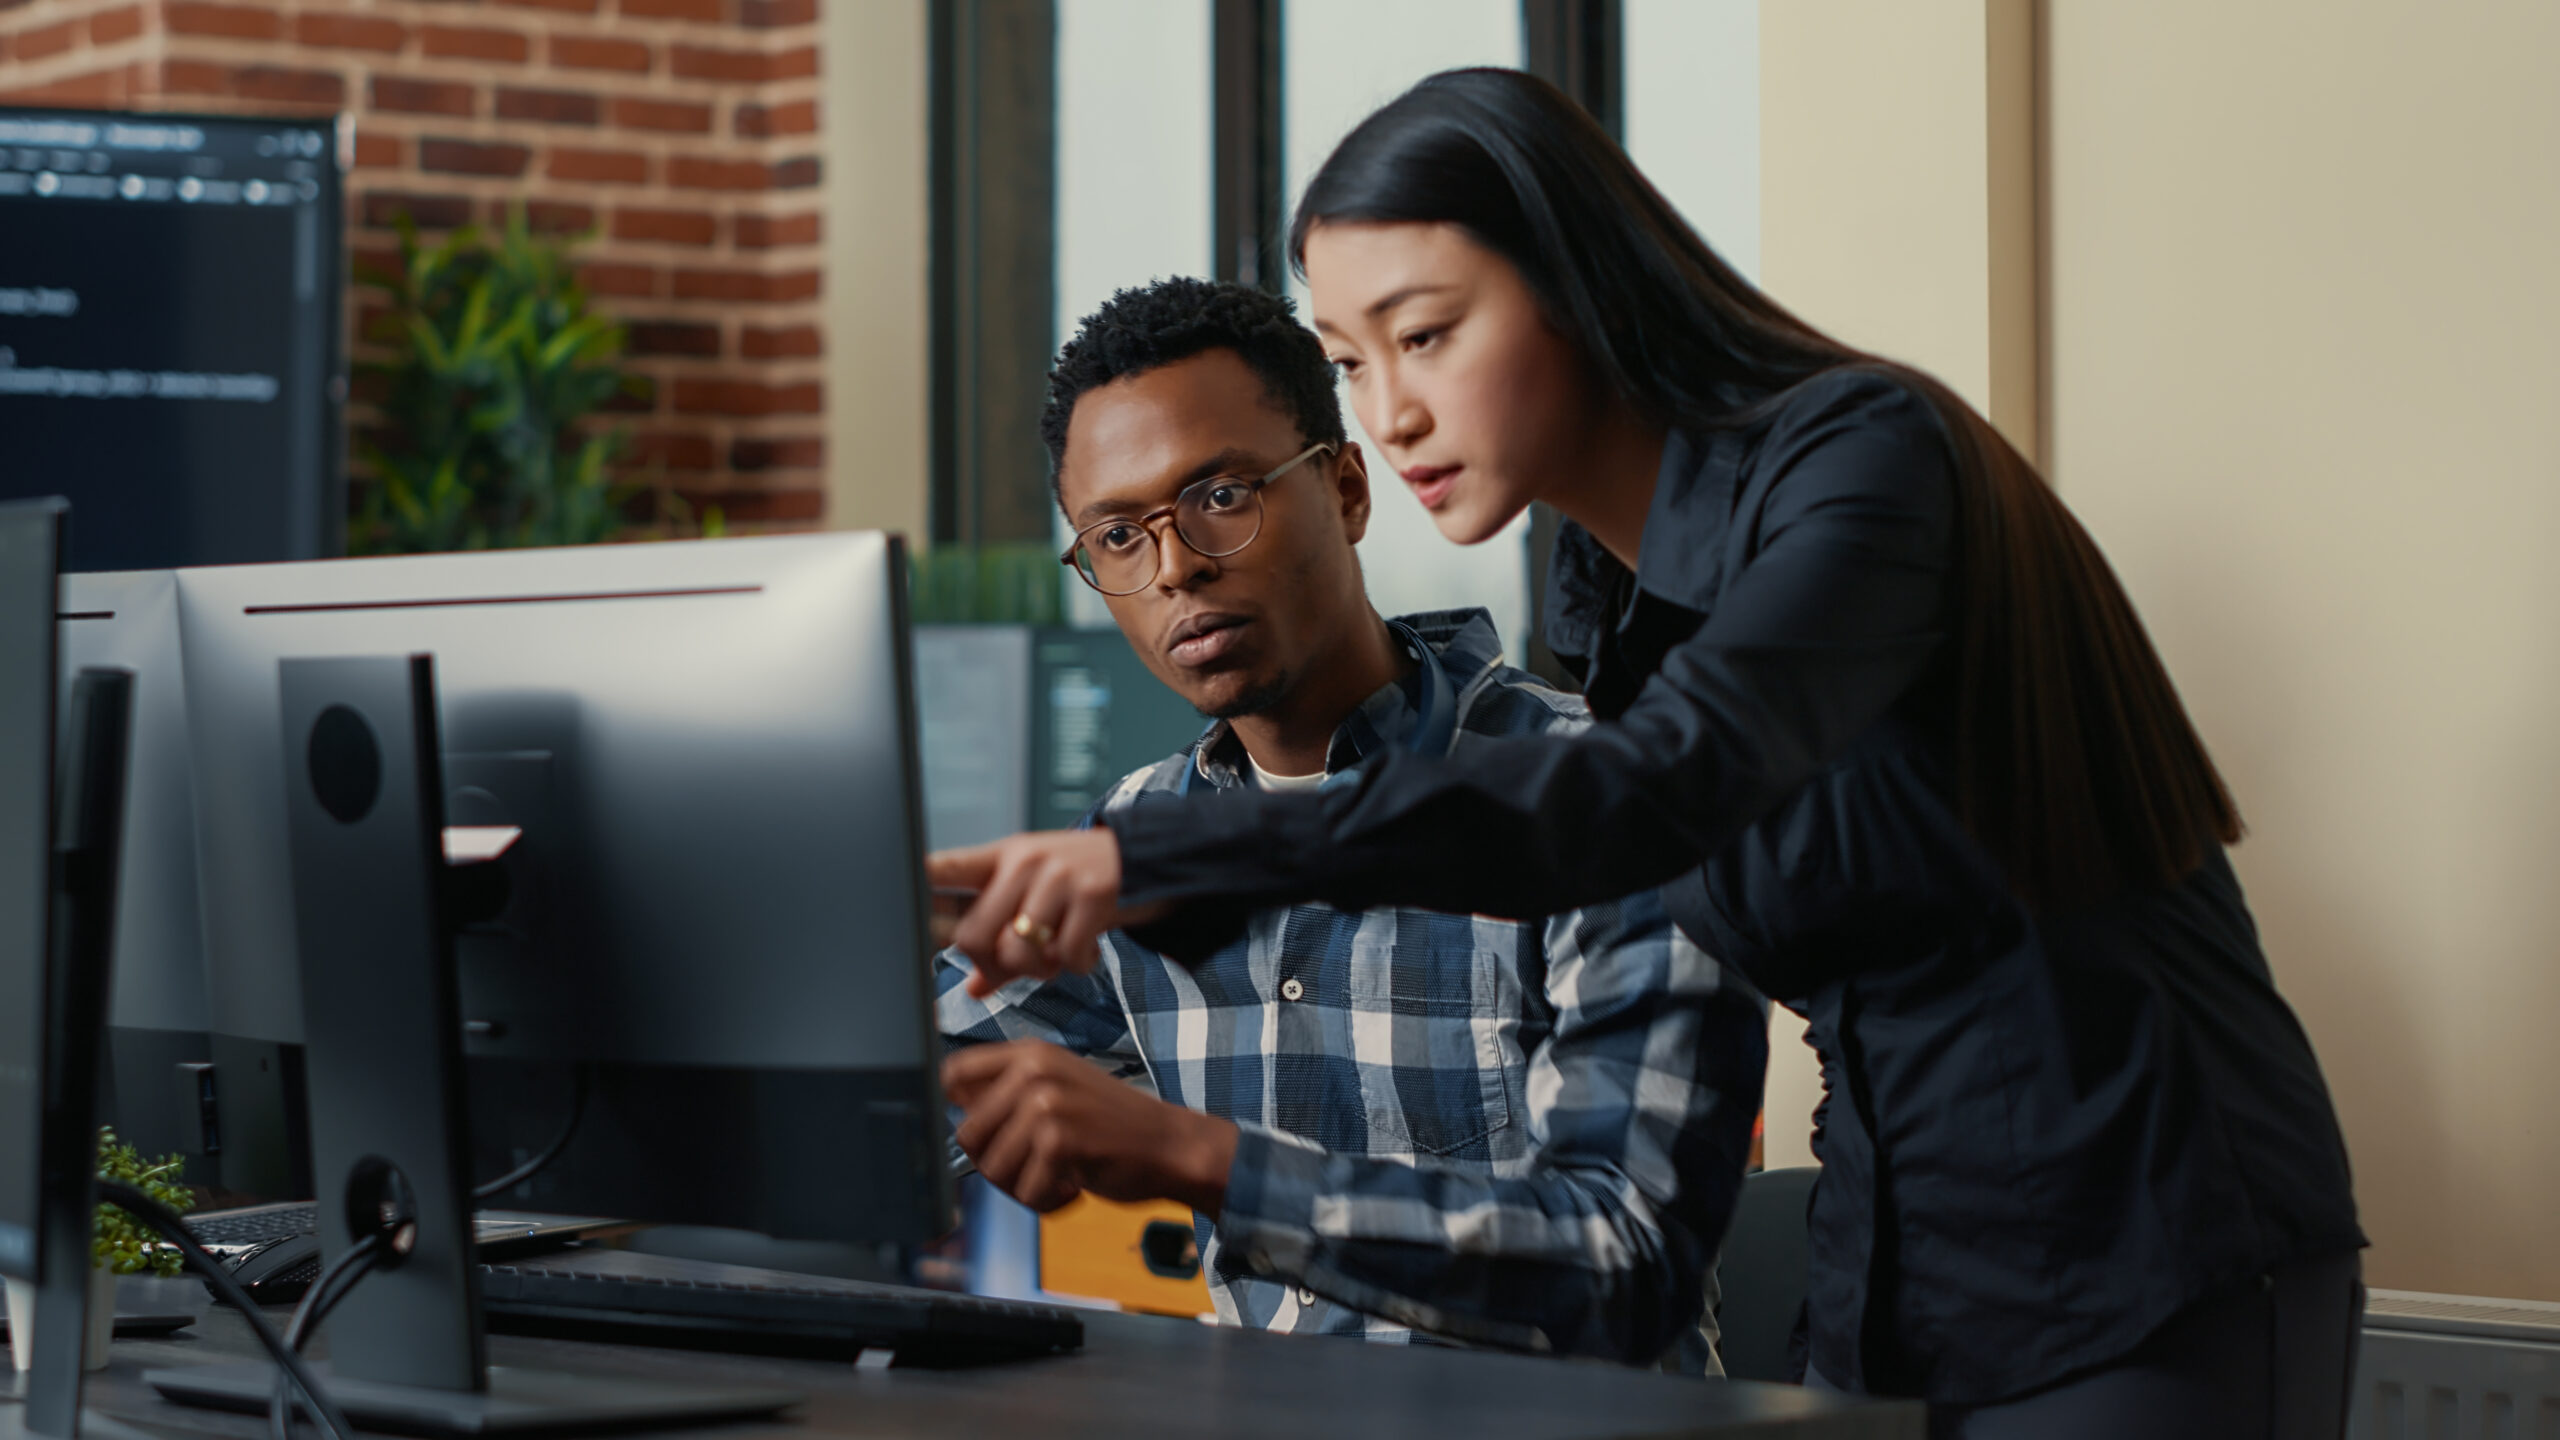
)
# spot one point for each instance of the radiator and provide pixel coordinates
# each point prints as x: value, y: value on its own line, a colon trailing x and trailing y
x: 2457, y: 1367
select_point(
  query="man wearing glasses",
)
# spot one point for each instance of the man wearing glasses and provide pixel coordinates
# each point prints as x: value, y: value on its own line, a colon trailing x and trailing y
x: 1389, y: 1122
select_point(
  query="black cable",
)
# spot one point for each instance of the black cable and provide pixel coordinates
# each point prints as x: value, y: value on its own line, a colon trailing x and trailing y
x: 169, y: 1227
x: 526, y: 1171
x: 336, y: 1282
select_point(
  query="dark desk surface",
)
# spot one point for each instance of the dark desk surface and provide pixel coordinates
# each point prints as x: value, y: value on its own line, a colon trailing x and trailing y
x: 1137, y: 1376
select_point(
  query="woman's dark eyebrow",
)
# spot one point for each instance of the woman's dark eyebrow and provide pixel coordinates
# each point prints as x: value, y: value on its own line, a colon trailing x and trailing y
x: 1394, y: 298
x: 1229, y: 461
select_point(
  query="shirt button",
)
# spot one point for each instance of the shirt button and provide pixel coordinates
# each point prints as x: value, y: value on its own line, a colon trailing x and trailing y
x: 1261, y: 1262
x: 1306, y: 1296
x: 1291, y: 989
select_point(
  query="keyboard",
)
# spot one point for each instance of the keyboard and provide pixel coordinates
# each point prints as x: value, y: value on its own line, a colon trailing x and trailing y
x: 240, y: 1230
x: 768, y: 1312
x: 273, y: 1251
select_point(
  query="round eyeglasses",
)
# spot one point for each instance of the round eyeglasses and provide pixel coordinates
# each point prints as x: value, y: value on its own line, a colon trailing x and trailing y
x: 1216, y: 517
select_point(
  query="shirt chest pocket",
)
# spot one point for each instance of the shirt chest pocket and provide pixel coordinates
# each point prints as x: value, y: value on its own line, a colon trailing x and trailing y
x: 1435, y: 1038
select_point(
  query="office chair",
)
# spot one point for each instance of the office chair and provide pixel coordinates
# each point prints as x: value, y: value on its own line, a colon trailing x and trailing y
x: 1764, y: 1262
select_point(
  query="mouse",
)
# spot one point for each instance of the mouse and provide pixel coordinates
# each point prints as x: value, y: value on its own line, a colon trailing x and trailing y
x: 278, y: 1272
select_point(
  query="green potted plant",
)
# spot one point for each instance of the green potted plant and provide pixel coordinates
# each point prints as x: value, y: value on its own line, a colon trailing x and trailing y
x: 125, y: 1257
x: 489, y: 404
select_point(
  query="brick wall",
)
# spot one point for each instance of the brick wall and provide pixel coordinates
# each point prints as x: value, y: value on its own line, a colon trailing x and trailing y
x: 684, y: 132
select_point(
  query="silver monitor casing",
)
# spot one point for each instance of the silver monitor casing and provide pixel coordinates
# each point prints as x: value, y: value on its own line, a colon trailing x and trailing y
x: 718, y: 905
x: 729, y: 741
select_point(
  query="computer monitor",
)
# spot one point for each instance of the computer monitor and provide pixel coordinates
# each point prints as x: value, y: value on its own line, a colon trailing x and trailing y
x: 169, y: 357
x: 716, y: 907
x: 704, y: 965
x: 29, y: 538
x: 162, y: 1092
x: 58, y: 854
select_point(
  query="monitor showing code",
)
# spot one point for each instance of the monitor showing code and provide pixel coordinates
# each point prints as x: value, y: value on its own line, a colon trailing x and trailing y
x: 169, y: 293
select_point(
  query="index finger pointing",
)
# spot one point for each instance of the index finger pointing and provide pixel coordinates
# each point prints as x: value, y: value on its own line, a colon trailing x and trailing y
x: 967, y: 868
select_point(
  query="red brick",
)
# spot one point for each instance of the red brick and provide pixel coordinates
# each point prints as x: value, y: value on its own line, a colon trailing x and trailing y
x: 369, y: 385
x: 110, y: 26
x: 800, y: 117
x: 603, y: 167
x: 329, y: 31
x: 382, y: 209
x: 379, y: 264
x: 468, y: 157
x: 750, y: 456
x: 789, y: 342
x: 572, y: 7
x: 111, y: 86
x: 674, y: 452
x: 673, y: 337
x: 549, y: 107
x: 763, y: 506
x: 422, y: 97
x: 800, y: 64
x: 670, y: 115
x: 277, y: 84
x: 747, y: 398
x: 764, y: 232
x: 469, y: 42
x: 695, y: 172
x: 557, y: 217
x: 50, y: 40
x: 671, y: 227
x: 194, y: 77
x: 792, y: 285
x: 719, y: 285
x: 797, y: 173
x: 577, y: 52
x: 380, y: 152
x: 775, y: 14
x: 629, y: 281
x: 232, y: 22
x: 709, y: 12
x: 693, y: 62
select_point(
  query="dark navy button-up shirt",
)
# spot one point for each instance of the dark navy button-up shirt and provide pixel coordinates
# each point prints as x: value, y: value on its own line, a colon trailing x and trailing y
x: 2043, y: 1134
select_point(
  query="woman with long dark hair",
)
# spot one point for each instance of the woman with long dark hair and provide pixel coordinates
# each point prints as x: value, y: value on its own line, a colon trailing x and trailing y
x: 1879, y: 717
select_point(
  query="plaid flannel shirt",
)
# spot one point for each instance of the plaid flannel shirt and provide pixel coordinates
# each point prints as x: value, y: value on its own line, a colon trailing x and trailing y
x: 1525, y: 1134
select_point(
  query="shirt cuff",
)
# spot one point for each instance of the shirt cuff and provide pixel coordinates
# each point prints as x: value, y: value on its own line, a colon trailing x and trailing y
x: 1268, y: 1224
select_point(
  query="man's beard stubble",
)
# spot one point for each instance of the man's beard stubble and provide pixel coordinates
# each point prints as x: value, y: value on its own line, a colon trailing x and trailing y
x: 1255, y: 699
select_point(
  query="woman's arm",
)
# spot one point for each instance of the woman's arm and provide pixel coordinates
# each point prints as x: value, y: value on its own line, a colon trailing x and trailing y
x: 1839, y: 608
x: 1834, y: 615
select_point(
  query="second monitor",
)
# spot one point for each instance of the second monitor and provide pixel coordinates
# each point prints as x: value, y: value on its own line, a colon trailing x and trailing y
x: 712, y: 908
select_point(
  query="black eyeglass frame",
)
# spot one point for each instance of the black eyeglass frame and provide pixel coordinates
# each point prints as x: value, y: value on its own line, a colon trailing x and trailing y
x: 1173, y: 512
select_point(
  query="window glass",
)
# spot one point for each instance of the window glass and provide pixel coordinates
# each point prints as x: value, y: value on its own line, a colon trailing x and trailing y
x: 1345, y: 58
x: 1693, y: 115
x: 1134, y: 133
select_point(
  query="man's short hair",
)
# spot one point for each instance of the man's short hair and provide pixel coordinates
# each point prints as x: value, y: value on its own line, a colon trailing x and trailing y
x: 1138, y: 330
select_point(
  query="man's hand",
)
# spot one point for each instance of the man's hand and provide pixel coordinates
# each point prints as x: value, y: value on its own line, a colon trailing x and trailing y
x: 1042, y: 903
x: 1044, y: 1126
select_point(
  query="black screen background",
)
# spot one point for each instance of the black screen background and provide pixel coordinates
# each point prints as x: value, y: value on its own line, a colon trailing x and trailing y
x: 157, y: 482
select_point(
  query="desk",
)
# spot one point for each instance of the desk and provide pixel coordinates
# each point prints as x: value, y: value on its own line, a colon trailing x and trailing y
x: 1138, y: 1375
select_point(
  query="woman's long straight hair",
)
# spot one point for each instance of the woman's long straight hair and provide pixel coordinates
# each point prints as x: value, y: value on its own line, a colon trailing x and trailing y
x: 2075, y: 764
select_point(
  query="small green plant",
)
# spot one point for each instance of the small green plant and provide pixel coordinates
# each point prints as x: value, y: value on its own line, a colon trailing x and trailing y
x: 120, y: 1243
x: 487, y: 440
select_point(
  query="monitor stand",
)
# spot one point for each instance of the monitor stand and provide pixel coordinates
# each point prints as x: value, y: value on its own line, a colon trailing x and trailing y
x: 382, y: 1028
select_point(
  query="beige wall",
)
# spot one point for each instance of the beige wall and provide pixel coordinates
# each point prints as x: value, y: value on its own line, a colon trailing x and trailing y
x: 1897, y: 186
x: 878, y: 229
x: 2301, y: 350
x: 2305, y: 387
